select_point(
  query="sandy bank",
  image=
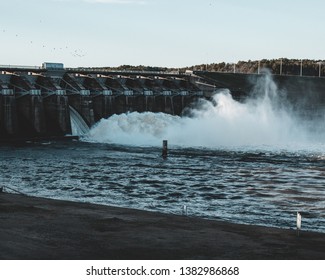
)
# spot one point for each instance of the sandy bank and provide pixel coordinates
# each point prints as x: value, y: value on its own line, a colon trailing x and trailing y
x: 37, y: 228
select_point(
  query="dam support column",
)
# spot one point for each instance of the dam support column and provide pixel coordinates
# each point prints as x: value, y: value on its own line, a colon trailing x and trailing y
x: 57, y: 115
x: 164, y: 103
x: 83, y: 104
x: 169, y: 105
x: 149, y: 103
x: 139, y: 102
x: 8, y: 116
x: 124, y: 102
x: 31, y: 118
x: 104, y: 105
x: 121, y: 104
x: 178, y: 104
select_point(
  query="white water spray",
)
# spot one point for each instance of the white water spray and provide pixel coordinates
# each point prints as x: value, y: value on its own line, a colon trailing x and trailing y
x: 261, y: 122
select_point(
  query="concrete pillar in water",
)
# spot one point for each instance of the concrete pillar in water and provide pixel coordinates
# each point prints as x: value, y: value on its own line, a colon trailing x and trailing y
x: 146, y: 101
x: 120, y: 104
x: 169, y: 105
x: 31, y: 118
x: 84, y: 106
x: 127, y: 103
x: 64, y: 114
x: 102, y: 106
x: 57, y: 115
x: 164, y: 149
x: 37, y: 114
x: 8, y: 116
x: 110, y: 105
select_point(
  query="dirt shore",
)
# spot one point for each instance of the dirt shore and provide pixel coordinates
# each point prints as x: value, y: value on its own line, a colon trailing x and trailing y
x: 38, y: 228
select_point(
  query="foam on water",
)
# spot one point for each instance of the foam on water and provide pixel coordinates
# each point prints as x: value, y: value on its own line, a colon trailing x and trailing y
x: 264, y: 121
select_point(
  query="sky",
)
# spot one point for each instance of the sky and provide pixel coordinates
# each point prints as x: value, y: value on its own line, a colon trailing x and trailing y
x: 165, y: 33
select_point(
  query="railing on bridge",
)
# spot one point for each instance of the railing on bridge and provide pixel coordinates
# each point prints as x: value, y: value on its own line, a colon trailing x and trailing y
x: 19, y: 67
x: 105, y: 70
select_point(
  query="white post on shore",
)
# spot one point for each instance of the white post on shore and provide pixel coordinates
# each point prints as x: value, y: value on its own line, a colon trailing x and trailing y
x: 184, y: 210
x: 298, y: 223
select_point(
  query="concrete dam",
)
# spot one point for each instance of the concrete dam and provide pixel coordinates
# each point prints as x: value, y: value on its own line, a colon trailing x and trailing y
x: 49, y: 101
x: 44, y: 102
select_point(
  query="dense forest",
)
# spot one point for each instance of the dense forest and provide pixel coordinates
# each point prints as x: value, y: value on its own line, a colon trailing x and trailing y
x: 281, y: 66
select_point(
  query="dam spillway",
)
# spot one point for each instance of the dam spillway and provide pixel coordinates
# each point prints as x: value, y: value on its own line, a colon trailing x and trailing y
x: 37, y: 102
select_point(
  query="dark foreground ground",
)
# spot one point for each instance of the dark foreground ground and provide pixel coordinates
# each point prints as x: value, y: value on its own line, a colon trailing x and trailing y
x: 37, y: 228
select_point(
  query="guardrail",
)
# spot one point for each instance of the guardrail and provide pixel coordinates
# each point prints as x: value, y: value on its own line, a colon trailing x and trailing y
x: 104, y: 70
x: 20, y: 67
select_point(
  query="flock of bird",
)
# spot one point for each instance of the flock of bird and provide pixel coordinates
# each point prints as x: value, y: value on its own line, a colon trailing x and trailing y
x: 79, y: 53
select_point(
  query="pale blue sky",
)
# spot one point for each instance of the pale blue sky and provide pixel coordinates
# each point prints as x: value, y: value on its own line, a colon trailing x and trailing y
x: 159, y: 32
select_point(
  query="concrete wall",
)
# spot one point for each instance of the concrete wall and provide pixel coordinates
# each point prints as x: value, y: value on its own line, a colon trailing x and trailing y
x: 8, y: 116
x: 31, y: 116
x: 57, y: 115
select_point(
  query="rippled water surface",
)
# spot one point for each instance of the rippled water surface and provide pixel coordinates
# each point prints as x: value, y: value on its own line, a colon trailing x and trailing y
x: 251, y: 187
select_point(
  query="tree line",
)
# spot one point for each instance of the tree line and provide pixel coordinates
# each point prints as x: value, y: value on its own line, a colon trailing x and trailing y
x: 283, y: 66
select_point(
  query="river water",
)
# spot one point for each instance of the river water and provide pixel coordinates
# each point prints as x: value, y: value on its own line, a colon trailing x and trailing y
x: 252, y: 163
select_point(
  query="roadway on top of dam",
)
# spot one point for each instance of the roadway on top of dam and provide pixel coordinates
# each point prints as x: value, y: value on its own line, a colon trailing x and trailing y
x: 39, y: 69
x: 239, y: 84
x: 235, y: 81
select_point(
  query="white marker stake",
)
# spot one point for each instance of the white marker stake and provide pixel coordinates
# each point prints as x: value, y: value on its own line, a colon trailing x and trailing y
x: 184, y: 210
x: 298, y: 223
